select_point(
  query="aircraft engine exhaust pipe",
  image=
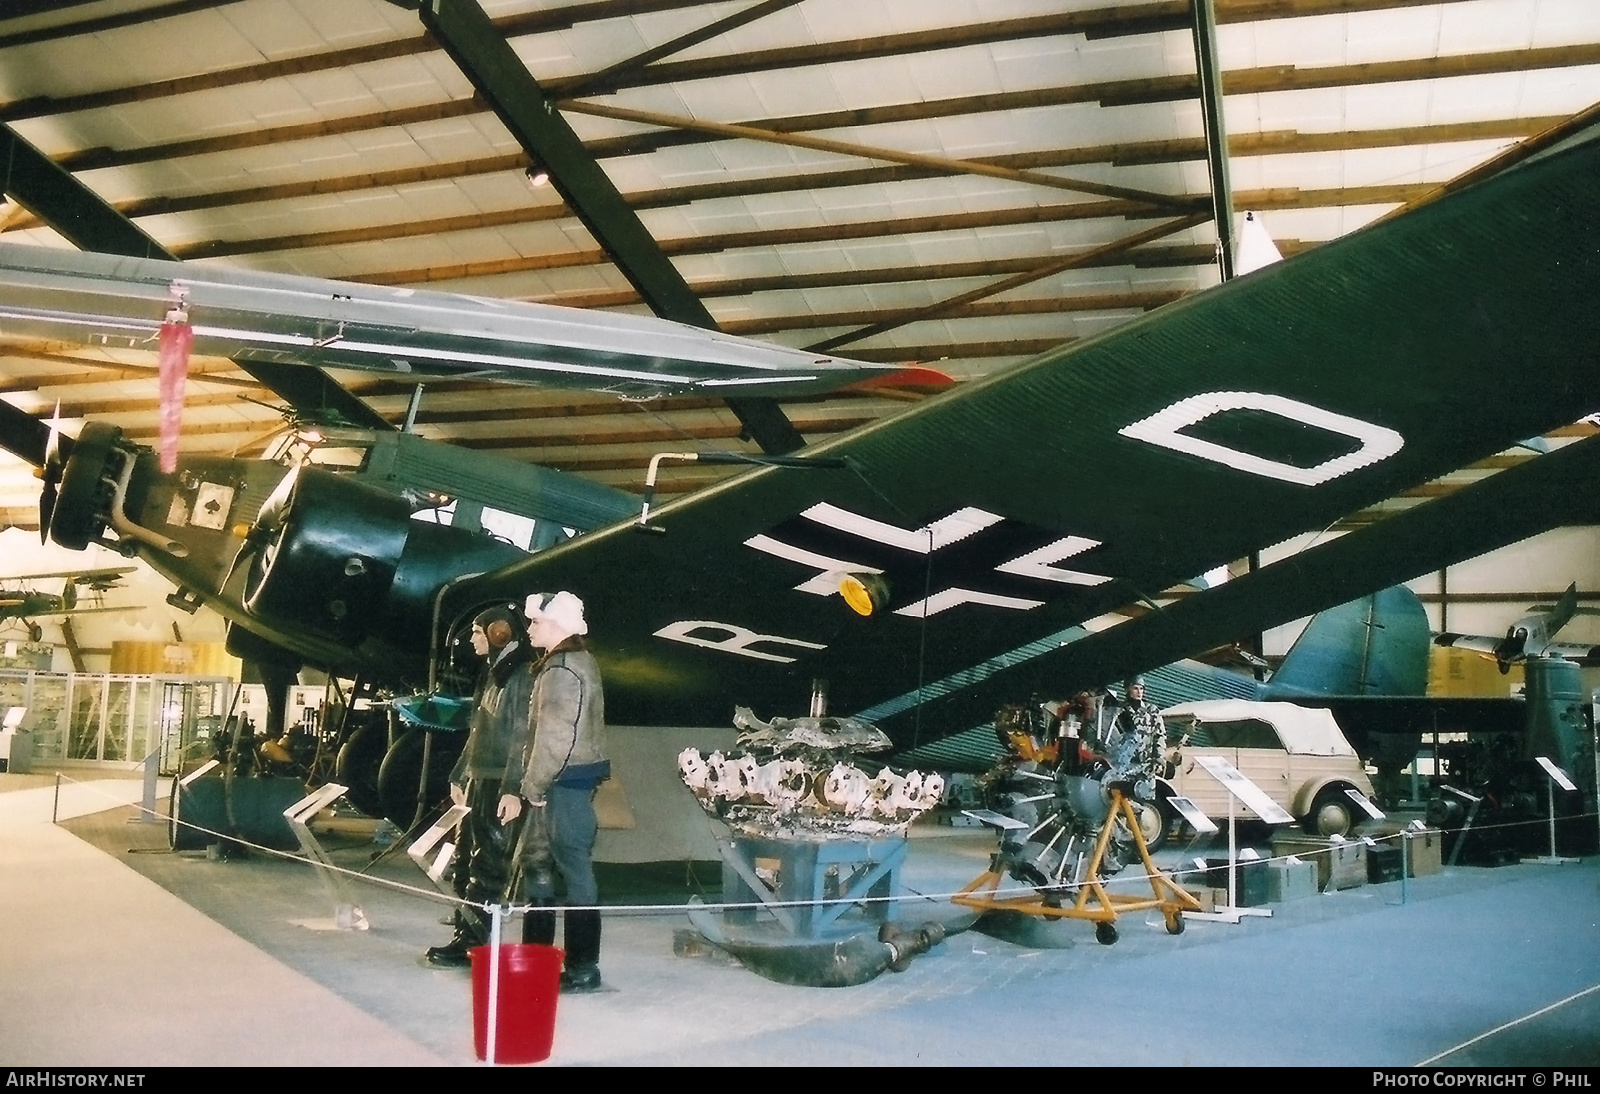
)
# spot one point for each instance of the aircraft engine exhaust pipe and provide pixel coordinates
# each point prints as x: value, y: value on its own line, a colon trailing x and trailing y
x: 826, y: 962
x: 127, y: 528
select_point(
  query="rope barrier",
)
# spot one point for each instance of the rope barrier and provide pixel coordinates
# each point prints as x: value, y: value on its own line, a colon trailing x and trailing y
x: 645, y: 910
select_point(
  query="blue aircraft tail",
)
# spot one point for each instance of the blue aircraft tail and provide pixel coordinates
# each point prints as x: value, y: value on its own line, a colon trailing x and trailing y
x: 1377, y: 645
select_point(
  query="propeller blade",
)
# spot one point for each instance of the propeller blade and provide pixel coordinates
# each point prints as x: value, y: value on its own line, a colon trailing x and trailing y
x: 47, y: 508
x: 50, y: 473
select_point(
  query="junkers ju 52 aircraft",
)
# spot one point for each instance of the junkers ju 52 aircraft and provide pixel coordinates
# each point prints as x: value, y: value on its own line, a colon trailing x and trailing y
x: 974, y: 529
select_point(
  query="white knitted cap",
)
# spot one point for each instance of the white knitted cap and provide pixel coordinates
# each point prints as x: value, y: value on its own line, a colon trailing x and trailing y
x: 563, y: 609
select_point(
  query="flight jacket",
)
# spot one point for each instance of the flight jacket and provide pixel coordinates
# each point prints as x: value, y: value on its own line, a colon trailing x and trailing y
x: 499, y: 729
x: 567, y: 716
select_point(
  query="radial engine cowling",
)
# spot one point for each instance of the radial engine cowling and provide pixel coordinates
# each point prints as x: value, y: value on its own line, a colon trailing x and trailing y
x: 345, y: 561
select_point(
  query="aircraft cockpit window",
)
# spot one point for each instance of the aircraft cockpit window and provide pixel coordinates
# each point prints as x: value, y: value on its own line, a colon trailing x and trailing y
x: 514, y: 529
x: 347, y: 452
x: 338, y: 458
x: 439, y: 514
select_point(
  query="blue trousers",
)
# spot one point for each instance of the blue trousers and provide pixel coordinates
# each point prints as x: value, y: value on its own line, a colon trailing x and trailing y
x: 560, y: 839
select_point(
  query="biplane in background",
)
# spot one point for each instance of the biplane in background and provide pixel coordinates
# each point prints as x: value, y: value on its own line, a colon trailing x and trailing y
x: 21, y: 598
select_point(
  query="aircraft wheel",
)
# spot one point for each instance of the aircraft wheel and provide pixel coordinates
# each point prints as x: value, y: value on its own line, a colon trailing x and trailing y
x: 1332, y: 814
x: 175, y: 834
x: 357, y: 766
x: 1105, y: 933
x: 1175, y: 922
x: 401, y: 774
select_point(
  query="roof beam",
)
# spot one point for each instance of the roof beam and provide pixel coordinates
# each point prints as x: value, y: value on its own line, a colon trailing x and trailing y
x: 500, y: 77
x: 1097, y: 302
x: 654, y: 436
x: 1143, y: 258
x: 1391, y: 194
x: 125, y: 369
x: 95, y: 408
x: 960, y: 351
x: 629, y: 65
x: 1253, y: 81
x: 1179, y: 150
x: 104, y: 22
x: 935, y: 311
x: 893, y: 112
x: 59, y: 200
x: 494, y: 68
x: 1099, y: 23
x: 846, y: 148
x: 535, y: 22
x: 1277, y: 142
x: 1163, y: 89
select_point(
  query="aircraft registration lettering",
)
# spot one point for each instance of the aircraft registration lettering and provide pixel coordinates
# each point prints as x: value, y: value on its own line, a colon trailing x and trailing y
x: 1376, y: 442
x: 951, y: 598
x: 737, y: 639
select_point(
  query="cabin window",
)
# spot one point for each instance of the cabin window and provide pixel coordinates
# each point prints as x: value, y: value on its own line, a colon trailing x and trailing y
x: 439, y: 514
x: 511, y: 527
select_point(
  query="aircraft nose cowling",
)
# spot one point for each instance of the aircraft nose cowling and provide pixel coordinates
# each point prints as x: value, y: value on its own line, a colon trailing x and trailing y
x: 330, y: 563
x: 74, y: 501
x: 1511, y: 648
x: 345, y: 561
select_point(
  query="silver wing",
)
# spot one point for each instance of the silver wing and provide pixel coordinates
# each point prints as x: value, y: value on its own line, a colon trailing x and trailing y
x: 109, y: 300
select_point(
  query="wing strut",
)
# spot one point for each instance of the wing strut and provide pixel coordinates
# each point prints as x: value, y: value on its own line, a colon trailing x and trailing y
x: 1209, y: 73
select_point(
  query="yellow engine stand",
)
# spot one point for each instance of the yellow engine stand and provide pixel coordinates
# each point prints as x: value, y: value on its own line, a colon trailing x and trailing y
x: 1093, y: 902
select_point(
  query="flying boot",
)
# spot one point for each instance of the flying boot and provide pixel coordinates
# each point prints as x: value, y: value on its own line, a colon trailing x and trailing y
x: 472, y: 929
x: 539, y: 926
x: 581, y: 972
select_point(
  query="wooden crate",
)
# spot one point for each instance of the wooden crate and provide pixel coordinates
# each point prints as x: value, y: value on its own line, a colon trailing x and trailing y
x: 1426, y: 853
x: 1341, y: 865
x: 1291, y: 879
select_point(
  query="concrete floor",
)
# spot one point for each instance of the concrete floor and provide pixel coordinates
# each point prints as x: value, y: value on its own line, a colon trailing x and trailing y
x: 116, y: 952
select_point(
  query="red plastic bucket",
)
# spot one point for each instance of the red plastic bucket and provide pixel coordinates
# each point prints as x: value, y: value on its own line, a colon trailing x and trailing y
x: 530, y: 980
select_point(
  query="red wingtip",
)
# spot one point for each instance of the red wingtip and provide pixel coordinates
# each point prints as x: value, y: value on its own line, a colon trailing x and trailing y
x: 912, y: 376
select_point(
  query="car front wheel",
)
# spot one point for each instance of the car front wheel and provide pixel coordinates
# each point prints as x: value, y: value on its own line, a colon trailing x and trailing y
x: 1332, y: 814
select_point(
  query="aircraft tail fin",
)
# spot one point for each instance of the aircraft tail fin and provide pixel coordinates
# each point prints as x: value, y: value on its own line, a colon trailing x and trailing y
x: 1377, y: 645
x: 1562, y: 611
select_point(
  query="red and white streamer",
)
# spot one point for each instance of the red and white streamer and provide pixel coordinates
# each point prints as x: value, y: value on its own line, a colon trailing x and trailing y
x: 177, y: 337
